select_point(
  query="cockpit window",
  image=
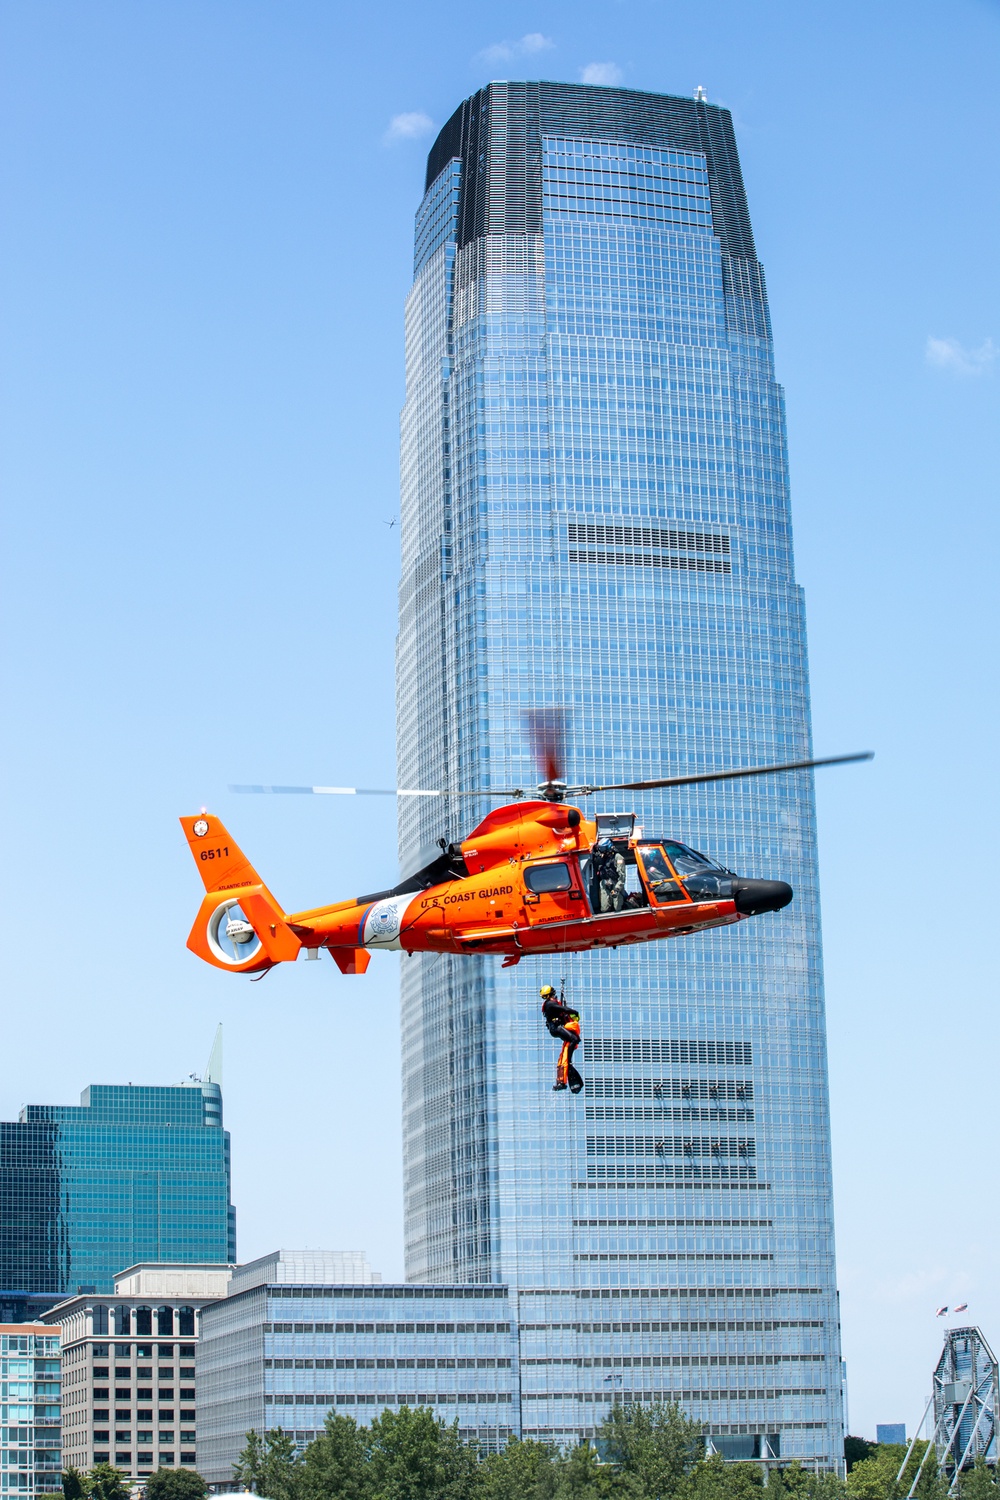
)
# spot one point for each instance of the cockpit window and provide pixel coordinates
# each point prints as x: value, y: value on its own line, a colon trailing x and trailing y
x: 654, y: 864
x: 540, y: 878
x: 659, y: 875
x: 687, y: 861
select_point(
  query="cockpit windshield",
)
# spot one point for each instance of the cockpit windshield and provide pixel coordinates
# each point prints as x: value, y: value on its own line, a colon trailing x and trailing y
x: 688, y: 861
x: 696, y: 876
x: 659, y: 875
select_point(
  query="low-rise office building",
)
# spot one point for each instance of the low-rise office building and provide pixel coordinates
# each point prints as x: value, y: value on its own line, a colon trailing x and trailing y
x: 297, y: 1338
x: 128, y: 1367
x: 30, y: 1463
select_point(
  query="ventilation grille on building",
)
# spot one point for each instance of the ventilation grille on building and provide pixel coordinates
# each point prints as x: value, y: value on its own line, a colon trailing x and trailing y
x: 731, y: 1054
x: 672, y: 543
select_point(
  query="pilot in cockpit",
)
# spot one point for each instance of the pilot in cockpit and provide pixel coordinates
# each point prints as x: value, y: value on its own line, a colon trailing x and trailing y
x: 655, y: 864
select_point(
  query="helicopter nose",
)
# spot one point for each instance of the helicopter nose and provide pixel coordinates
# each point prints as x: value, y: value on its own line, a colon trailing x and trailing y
x: 754, y: 896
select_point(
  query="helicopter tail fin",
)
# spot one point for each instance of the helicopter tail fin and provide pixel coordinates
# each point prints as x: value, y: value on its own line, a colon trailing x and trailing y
x: 221, y: 863
x: 240, y: 926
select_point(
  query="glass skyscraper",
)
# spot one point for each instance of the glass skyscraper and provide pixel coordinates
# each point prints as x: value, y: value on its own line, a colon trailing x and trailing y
x: 595, y: 517
x: 130, y: 1174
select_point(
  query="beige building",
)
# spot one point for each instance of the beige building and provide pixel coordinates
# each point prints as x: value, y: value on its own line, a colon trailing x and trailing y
x: 128, y: 1367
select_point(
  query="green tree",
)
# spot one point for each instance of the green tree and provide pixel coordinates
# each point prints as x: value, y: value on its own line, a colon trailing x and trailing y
x: 855, y: 1449
x: 796, y: 1483
x: 522, y: 1471
x: 979, y: 1482
x: 826, y: 1486
x: 874, y: 1478
x: 175, y: 1484
x: 414, y: 1456
x: 281, y: 1467
x: 713, y: 1479
x: 335, y: 1464
x: 74, y: 1484
x: 248, y: 1468
x: 582, y: 1476
x: 105, y: 1482
x: 932, y: 1484
x: 654, y: 1445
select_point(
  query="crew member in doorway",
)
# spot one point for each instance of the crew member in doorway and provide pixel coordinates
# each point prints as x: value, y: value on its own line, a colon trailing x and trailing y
x: 564, y: 1024
x: 609, y: 874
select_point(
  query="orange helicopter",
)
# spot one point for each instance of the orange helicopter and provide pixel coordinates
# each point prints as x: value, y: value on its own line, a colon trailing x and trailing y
x: 536, y: 876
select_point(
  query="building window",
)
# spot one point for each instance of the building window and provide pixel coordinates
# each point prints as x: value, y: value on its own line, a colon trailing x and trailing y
x: 144, y: 1321
x: 164, y: 1321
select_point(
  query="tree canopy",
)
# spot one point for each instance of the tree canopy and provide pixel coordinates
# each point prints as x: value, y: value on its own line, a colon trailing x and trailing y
x: 647, y: 1451
x: 175, y: 1484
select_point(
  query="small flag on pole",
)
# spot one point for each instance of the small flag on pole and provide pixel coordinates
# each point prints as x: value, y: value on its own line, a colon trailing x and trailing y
x: 962, y: 1306
x: 940, y: 1312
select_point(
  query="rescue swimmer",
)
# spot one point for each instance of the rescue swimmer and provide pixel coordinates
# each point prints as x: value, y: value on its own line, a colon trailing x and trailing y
x: 564, y: 1024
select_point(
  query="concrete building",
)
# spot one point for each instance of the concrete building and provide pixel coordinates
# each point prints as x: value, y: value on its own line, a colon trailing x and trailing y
x: 305, y: 1333
x: 30, y: 1462
x: 128, y: 1367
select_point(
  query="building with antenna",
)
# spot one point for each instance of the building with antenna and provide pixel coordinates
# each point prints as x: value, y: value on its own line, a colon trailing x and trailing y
x: 133, y: 1174
x: 596, y: 518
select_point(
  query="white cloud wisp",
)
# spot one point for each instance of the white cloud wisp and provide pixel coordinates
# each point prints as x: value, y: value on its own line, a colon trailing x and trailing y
x: 607, y: 73
x: 528, y: 45
x: 949, y: 354
x: 408, y: 127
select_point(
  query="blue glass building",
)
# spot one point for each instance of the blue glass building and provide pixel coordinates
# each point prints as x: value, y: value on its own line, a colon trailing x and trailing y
x: 128, y: 1175
x: 595, y: 516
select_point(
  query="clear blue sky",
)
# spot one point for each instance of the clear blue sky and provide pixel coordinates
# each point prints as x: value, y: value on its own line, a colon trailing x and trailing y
x: 204, y: 250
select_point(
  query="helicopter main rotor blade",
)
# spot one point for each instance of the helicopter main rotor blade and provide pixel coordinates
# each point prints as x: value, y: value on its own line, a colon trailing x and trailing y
x: 373, y: 791
x: 792, y: 765
x: 546, y: 729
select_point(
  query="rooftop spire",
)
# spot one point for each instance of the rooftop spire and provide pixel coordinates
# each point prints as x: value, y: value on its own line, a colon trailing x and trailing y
x: 213, y: 1068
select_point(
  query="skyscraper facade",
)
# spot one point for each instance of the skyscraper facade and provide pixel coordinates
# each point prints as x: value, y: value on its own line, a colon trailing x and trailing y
x: 595, y: 517
x: 130, y: 1174
x: 306, y: 1334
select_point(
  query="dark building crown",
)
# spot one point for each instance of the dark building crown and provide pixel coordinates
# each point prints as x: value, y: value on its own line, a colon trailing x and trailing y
x: 497, y: 135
